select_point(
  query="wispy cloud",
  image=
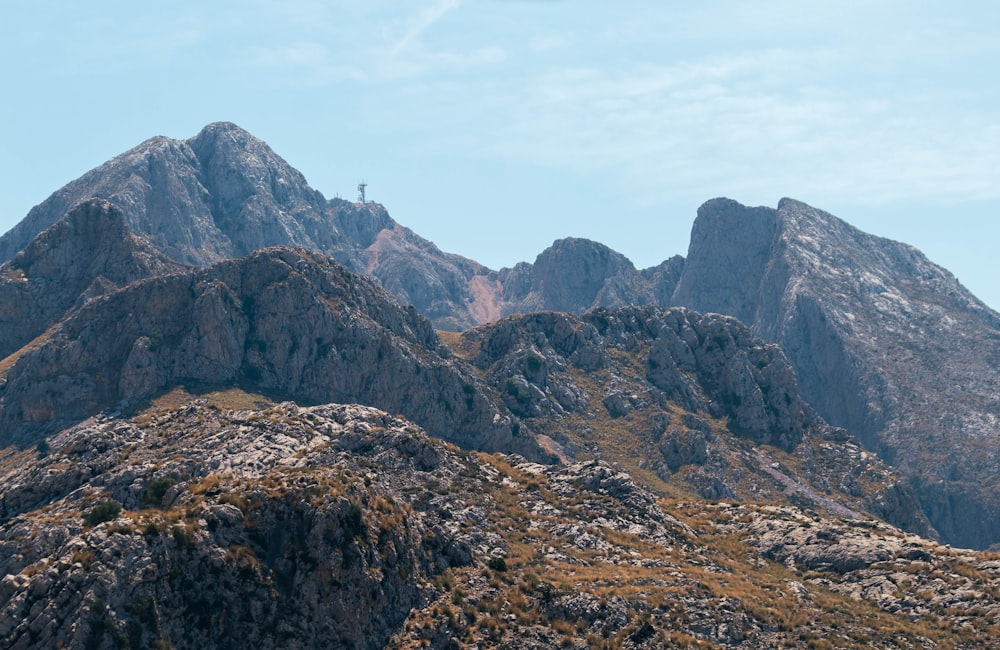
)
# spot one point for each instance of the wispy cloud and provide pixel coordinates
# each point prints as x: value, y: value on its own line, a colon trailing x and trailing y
x: 430, y: 15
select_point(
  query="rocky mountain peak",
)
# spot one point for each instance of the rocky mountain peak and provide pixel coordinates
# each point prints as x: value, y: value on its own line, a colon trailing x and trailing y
x: 727, y: 258
x: 885, y: 343
x: 575, y: 275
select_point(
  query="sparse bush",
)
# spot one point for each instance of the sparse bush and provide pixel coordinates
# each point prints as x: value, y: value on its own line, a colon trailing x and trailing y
x: 102, y: 512
x: 152, y: 496
x: 497, y: 564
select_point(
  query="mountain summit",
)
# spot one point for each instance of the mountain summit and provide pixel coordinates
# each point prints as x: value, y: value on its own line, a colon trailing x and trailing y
x: 885, y: 343
x: 224, y: 193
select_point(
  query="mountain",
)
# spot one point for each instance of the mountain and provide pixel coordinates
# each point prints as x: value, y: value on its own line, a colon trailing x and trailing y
x: 285, y: 321
x: 208, y: 440
x: 224, y: 193
x: 885, y: 344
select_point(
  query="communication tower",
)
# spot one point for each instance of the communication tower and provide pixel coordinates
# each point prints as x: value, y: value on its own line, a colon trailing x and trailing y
x: 361, y: 191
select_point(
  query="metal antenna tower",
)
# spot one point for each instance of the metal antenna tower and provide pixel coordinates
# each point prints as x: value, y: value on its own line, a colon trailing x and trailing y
x: 361, y: 191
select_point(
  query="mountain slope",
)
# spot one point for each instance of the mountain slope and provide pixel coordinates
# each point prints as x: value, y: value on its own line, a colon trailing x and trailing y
x: 885, y: 344
x: 224, y: 193
x: 208, y: 524
x: 281, y: 320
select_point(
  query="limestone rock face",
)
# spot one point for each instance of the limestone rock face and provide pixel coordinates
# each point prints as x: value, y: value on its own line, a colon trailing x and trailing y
x: 85, y: 254
x: 694, y: 398
x: 281, y: 320
x: 200, y: 525
x: 885, y: 344
x: 224, y: 193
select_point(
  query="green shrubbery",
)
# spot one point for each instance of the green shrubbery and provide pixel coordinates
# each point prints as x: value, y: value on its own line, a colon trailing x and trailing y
x: 104, y: 511
x: 152, y: 496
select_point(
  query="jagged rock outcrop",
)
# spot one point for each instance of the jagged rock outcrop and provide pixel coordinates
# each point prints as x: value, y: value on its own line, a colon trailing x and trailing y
x: 87, y: 253
x: 694, y: 398
x: 203, y: 526
x: 885, y: 344
x: 281, y: 320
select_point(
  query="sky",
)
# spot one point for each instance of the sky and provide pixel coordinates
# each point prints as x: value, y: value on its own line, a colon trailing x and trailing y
x: 494, y: 127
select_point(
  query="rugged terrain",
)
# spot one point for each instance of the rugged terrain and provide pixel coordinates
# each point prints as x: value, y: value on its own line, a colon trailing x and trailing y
x: 885, y: 344
x: 227, y: 418
x: 197, y: 524
x: 707, y: 407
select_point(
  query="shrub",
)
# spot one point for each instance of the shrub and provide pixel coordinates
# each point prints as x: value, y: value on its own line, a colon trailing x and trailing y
x: 104, y: 511
x: 497, y: 564
x: 152, y: 496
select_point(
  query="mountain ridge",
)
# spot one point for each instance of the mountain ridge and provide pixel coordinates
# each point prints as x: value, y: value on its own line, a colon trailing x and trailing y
x: 608, y: 469
x: 861, y: 318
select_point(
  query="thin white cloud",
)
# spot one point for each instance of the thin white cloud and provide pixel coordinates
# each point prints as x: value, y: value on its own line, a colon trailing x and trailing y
x: 430, y: 15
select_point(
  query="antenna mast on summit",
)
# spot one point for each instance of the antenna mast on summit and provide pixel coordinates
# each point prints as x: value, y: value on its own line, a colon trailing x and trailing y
x: 361, y: 191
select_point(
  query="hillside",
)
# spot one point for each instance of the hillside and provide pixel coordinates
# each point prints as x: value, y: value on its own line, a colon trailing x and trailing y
x: 217, y: 524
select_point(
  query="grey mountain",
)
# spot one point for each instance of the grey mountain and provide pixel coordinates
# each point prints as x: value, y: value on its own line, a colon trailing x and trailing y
x: 885, y: 344
x: 225, y: 193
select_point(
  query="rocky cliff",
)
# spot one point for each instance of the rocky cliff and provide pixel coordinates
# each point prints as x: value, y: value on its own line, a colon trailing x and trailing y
x: 87, y: 253
x: 281, y: 320
x: 210, y: 524
x: 885, y: 344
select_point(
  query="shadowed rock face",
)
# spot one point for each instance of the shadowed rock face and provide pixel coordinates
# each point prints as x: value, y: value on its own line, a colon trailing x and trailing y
x: 280, y: 320
x: 885, y: 344
x: 85, y: 254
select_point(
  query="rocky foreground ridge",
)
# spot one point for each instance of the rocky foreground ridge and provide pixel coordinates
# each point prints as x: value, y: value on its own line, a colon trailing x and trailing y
x: 218, y: 524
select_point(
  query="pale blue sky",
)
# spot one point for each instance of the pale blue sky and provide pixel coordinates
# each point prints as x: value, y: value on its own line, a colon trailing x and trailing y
x: 494, y: 127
